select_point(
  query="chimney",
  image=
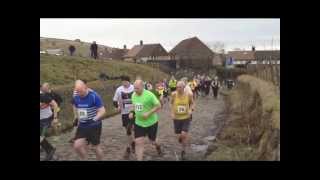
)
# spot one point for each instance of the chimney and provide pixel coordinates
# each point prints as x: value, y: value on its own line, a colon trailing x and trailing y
x: 124, y: 47
x: 253, y: 48
x: 141, y: 42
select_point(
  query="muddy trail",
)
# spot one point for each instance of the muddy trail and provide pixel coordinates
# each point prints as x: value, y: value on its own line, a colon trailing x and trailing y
x: 207, y: 118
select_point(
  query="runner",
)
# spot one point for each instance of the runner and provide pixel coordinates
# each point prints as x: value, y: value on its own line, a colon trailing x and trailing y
x: 215, y: 85
x: 181, y: 110
x: 166, y: 91
x: 47, y: 118
x: 202, y: 86
x: 89, y: 110
x: 146, y: 120
x: 55, y: 96
x: 172, y: 84
x: 187, y: 89
x: 122, y: 103
x: 192, y: 83
x: 75, y: 118
x: 207, y: 83
x: 160, y: 90
x: 197, y: 88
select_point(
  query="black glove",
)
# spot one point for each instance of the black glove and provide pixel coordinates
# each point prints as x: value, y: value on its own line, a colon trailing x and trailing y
x: 75, y: 122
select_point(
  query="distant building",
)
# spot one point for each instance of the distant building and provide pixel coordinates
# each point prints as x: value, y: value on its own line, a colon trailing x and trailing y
x: 268, y: 56
x: 145, y: 52
x: 192, y: 53
x: 114, y: 53
x: 241, y: 57
x: 255, y: 56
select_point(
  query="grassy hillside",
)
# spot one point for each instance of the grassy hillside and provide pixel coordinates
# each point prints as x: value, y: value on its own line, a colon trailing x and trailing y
x: 82, y: 48
x: 61, y: 71
x: 252, y: 129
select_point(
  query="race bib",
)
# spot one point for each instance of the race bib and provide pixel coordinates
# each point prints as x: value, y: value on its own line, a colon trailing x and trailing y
x: 181, y: 109
x: 82, y: 114
x: 139, y: 107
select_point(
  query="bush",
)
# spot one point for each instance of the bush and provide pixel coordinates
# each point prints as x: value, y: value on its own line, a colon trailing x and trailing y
x: 253, y: 125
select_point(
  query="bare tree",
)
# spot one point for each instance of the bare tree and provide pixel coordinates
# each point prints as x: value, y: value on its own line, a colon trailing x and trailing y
x: 218, y: 47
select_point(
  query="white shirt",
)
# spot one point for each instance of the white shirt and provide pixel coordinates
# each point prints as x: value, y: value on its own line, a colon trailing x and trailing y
x: 123, y: 96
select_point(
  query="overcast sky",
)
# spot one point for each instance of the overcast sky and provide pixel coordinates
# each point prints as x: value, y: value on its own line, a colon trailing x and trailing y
x: 235, y: 33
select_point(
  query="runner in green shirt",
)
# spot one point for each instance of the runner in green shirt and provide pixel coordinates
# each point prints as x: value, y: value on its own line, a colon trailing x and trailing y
x: 146, y: 120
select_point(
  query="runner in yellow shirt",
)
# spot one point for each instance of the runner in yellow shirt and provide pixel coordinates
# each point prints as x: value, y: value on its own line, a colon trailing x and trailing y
x: 182, y: 105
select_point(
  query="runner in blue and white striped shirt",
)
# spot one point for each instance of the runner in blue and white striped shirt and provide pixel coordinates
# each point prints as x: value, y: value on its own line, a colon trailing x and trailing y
x: 89, y: 110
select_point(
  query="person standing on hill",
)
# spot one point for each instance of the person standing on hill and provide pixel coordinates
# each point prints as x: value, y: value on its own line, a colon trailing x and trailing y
x: 72, y: 49
x: 94, y: 50
x: 122, y: 102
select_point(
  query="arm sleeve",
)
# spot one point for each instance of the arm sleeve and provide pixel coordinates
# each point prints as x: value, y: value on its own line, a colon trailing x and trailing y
x: 116, y: 95
x: 98, y: 101
x: 116, y: 98
x: 154, y: 99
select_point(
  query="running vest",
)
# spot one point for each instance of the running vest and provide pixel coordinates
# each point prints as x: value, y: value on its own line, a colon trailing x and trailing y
x: 172, y: 83
x: 181, y: 106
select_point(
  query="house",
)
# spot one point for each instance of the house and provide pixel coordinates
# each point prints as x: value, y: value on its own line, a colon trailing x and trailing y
x: 218, y: 59
x: 254, y: 57
x: 114, y: 53
x: 241, y: 57
x: 145, y: 52
x: 265, y: 57
x: 192, y: 53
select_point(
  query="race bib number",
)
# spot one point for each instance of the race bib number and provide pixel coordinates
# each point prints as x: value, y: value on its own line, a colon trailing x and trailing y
x: 82, y: 114
x: 139, y: 107
x: 181, y: 109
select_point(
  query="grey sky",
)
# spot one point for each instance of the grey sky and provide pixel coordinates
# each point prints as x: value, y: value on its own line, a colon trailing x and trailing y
x: 235, y: 33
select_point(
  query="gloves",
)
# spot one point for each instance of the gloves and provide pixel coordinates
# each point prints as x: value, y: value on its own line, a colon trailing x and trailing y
x: 75, y: 122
